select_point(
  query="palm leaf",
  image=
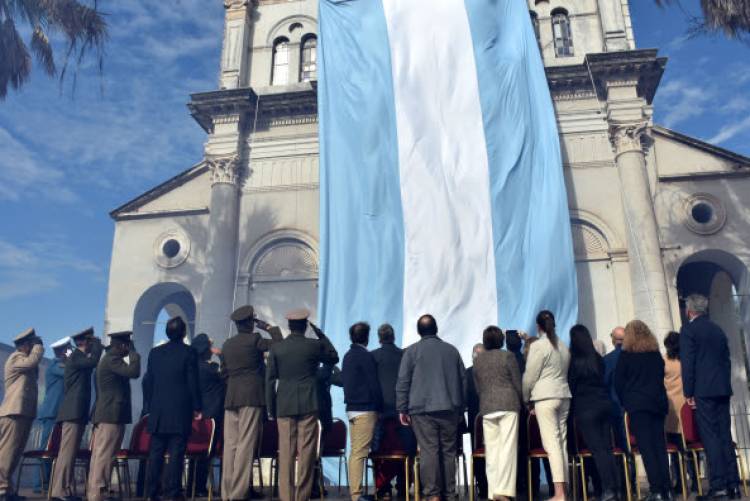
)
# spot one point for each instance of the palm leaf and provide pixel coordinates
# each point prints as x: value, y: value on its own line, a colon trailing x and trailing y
x: 15, y: 65
x: 42, y: 49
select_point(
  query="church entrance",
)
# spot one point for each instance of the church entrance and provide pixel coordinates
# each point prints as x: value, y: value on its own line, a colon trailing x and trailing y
x: 724, y: 279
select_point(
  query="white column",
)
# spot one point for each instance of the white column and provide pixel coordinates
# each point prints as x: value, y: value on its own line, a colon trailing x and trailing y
x: 235, y: 54
x: 613, y: 25
x: 649, y: 286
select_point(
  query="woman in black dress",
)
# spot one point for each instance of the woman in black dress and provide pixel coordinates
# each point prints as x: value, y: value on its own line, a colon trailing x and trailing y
x: 592, y: 408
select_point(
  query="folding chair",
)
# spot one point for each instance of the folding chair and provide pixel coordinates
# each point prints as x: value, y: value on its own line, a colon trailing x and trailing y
x: 392, y: 453
x: 137, y: 450
x: 334, y: 447
x: 200, y: 446
x: 39, y: 457
x: 477, y: 452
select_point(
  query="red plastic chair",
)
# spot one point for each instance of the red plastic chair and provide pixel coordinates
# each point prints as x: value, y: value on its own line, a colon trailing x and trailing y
x: 691, y: 442
x: 200, y: 445
x: 39, y: 457
x: 390, y: 450
x: 140, y: 441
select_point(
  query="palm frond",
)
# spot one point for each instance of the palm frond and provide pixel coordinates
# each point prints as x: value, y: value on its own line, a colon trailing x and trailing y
x: 15, y: 66
x: 42, y: 49
x: 730, y: 16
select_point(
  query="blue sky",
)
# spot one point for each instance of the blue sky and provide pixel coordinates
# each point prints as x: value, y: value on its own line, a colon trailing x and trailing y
x: 66, y: 161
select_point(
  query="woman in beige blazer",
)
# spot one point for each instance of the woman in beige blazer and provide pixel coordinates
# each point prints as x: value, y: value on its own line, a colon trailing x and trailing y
x: 545, y: 388
x: 673, y: 382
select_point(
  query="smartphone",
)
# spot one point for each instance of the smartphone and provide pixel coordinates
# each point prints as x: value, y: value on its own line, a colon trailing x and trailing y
x: 511, y: 332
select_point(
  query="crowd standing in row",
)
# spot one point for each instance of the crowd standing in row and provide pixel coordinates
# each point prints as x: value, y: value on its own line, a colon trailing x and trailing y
x: 395, y: 400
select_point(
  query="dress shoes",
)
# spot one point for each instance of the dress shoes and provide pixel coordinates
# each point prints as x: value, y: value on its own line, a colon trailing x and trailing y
x: 608, y: 496
x: 734, y: 493
x: 719, y: 495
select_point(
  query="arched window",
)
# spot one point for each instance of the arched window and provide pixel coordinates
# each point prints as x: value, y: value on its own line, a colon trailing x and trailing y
x: 561, y: 33
x: 535, y: 24
x: 280, y: 75
x: 308, y: 63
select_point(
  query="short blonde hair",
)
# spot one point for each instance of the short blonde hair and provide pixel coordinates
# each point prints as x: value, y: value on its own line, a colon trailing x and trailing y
x: 639, y: 338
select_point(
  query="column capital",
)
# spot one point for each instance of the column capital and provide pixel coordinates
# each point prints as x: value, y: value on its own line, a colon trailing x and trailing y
x: 224, y: 169
x: 627, y: 136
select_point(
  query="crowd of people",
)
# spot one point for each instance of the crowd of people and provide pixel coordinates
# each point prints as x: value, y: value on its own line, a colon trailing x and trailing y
x: 396, y: 400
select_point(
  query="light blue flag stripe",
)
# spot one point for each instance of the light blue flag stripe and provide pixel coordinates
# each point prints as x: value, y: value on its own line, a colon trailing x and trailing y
x: 362, y: 229
x: 531, y: 225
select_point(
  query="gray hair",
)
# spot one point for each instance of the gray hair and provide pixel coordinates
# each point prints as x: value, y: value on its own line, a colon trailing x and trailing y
x: 386, y: 334
x: 697, y: 303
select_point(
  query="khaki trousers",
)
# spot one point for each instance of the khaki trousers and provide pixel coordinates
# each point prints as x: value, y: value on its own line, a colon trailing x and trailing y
x: 242, y: 430
x: 14, y: 432
x: 552, y: 416
x: 501, y: 449
x: 107, y: 440
x: 361, y: 429
x: 63, y: 474
x: 298, y: 436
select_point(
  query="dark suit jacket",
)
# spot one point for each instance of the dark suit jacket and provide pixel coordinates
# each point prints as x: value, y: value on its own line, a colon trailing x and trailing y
x: 361, y: 385
x: 706, y: 364
x: 472, y: 400
x: 242, y: 365
x: 328, y: 375
x: 113, y: 375
x: 639, y: 381
x: 76, y: 404
x: 171, y: 388
x: 388, y: 360
x: 212, y: 389
x: 294, y: 363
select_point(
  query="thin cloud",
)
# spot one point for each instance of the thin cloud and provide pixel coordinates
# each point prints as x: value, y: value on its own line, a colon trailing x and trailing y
x: 731, y: 130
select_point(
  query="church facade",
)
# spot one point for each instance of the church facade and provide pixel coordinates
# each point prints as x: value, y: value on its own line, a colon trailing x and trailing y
x: 656, y: 215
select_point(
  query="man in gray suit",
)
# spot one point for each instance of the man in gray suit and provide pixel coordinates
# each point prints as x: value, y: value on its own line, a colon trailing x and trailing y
x: 18, y: 409
x: 431, y: 397
x: 112, y: 410
x: 293, y: 363
x: 242, y: 365
x: 74, y: 410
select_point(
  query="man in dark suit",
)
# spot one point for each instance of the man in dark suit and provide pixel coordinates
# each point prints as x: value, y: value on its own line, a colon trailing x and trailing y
x: 472, y: 401
x: 707, y: 385
x: 390, y: 433
x: 212, y: 388
x: 242, y: 365
x: 74, y: 410
x: 293, y: 364
x: 173, y: 393
x: 112, y: 411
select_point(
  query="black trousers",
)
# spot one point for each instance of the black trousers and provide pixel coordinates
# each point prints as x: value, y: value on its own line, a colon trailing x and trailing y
x: 715, y: 427
x: 437, y: 436
x: 175, y: 445
x: 648, y: 428
x: 595, y: 424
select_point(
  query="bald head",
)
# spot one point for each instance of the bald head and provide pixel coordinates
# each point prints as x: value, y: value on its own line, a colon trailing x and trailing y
x: 427, y: 326
x: 618, y: 335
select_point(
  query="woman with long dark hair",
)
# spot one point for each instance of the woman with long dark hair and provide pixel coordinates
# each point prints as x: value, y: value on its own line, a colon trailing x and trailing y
x: 591, y: 406
x: 639, y: 382
x: 545, y: 387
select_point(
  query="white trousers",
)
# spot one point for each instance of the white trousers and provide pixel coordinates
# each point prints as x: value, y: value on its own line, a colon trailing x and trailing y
x: 501, y: 446
x: 552, y: 416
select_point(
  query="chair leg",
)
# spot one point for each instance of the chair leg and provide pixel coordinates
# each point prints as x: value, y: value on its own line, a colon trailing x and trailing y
x: 529, y: 482
x: 210, y: 479
x: 584, y: 484
x: 471, y: 482
x: 743, y: 476
x: 321, y: 487
x: 417, y: 494
x: 683, y: 475
x: 696, y: 463
x: 406, y: 477
x: 51, y: 478
x: 637, y: 482
x: 626, y: 471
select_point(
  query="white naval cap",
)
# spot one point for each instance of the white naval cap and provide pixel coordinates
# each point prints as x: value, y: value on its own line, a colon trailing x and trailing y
x: 61, y: 343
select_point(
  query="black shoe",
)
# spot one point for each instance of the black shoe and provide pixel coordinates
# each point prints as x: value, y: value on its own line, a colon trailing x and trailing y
x: 720, y: 495
x: 255, y: 494
x: 608, y: 496
x: 667, y: 495
x: 16, y: 497
x: 385, y: 494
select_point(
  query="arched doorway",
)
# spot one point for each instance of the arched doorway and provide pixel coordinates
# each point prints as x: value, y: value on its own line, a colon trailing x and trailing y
x: 724, y: 279
x: 157, y: 303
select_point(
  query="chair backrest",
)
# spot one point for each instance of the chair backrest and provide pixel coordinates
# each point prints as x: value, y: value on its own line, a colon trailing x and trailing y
x: 201, y: 438
x: 140, y: 438
x: 688, y: 426
x: 269, y: 440
x: 534, y: 436
x: 478, y: 433
x: 335, y: 440
x: 54, y: 440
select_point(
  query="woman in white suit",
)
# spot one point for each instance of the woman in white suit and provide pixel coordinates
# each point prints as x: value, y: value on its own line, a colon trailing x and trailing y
x: 545, y: 388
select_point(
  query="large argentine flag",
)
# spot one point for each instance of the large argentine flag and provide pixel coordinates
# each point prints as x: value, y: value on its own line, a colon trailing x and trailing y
x: 441, y: 186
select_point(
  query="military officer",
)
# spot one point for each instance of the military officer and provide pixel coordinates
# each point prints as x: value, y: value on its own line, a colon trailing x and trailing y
x: 53, y: 394
x: 18, y: 409
x: 293, y: 363
x: 112, y: 410
x: 74, y: 410
x: 242, y: 363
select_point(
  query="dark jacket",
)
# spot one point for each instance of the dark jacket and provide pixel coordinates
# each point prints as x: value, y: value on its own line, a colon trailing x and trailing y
x: 76, y: 404
x: 171, y: 388
x: 113, y: 401
x: 432, y: 378
x: 212, y: 389
x: 498, y: 382
x: 610, y: 364
x: 328, y: 375
x: 294, y: 364
x: 242, y: 365
x: 639, y: 381
x: 54, y: 382
x: 588, y: 388
x: 388, y: 360
x: 472, y: 401
x: 361, y: 386
x: 706, y: 364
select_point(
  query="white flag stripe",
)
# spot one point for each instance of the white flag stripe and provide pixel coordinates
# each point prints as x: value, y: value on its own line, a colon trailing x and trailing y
x: 449, y: 257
